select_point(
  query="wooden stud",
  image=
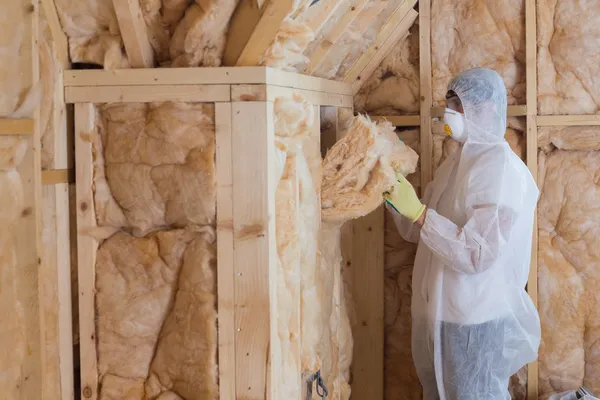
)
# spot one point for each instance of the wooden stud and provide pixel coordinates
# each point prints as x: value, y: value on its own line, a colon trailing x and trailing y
x: 368, y: 277
x: 134, y: 32
x: 352, y: 11
x: 532, y: 160
x: 146, y: 94
x: 226, y: 294
x: 16, y: 127
x: 426, y: 92
x: 86, y: 248
x: 398, y: 24
x: 255, y: 252
x: 275, y: 11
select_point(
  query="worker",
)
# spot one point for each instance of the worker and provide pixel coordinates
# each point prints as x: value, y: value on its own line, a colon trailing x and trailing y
x: 473, y: 323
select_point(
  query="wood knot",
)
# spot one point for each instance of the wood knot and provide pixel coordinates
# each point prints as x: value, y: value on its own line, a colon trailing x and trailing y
x: 84, y: 206
x: 370, y: 229
x: 349, y: 263
x: 29, y: 8
x: 26, y: 212
x: 364, y: 323
x: 87, y: 392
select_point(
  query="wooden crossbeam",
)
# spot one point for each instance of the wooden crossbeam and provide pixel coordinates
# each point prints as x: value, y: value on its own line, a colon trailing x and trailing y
x: 56, y: 176
x: 512, y: 111
x: 135, y: 33
x: 399, y: 120
x: 146, y: 94
x: 158, y: 77
x: 16, y: 127
x: 353, y: 9
x: 568, y: 120
x: 397, y: 25
x: 259, y: 25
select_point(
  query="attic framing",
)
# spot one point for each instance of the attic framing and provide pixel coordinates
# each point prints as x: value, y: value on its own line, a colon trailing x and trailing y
x: 245, y: 198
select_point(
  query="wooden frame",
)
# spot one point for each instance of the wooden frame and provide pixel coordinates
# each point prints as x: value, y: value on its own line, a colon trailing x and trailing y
x: 246, y: 251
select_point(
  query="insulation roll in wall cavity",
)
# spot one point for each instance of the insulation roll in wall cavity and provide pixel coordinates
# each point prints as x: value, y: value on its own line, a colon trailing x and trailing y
x: 154, y: 195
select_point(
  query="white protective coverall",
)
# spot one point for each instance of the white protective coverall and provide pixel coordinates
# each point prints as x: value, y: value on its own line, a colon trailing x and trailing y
x: 473, y: 323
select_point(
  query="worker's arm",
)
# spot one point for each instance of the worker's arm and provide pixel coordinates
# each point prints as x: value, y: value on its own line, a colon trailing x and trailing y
x: 476, y: 246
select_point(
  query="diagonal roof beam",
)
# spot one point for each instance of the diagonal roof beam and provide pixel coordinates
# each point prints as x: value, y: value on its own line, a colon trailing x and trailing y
x: 135, y: 33
x: 252, y: 30
x: 397, y: 26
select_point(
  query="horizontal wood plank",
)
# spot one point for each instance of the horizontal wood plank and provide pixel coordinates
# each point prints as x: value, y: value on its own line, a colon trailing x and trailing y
x: 146, y: 94
x: 16, y: 127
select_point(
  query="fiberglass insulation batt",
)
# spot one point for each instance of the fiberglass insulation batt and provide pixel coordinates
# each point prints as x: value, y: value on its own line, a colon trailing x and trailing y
x: 568, y: 219
x: 156, y: 276
x: 12, y: 328
x: 568, y: 40
x: 182, y: 33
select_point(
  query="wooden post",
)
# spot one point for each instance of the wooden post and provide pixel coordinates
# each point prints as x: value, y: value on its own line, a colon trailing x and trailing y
x: 426, y: 92
x: 85, y: 114
x: 532, y: 160
x: 255, y: 253
x: 226, y: 278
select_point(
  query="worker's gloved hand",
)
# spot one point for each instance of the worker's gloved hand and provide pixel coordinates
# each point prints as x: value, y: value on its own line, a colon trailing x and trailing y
x: 403, y: 198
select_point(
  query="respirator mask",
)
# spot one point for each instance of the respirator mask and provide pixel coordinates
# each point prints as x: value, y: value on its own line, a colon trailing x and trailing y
x: 455, y: 125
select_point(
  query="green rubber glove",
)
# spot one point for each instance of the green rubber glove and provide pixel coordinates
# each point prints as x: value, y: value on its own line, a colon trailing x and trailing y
x: 403, y: 198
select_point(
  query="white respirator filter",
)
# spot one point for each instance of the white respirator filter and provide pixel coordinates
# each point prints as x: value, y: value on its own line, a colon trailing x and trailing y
x: 455, y: 125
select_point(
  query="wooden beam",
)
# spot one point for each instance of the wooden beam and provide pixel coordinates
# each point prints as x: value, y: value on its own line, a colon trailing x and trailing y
x: 512, y: 111
x: 56, y: 176
x: 202, y: 76
x: 316, y: 98
x: 426, y: 92
x: 318, y: 15
x: 166, y: 76
x: 568, y: 120
x: 16, y: 127
x: 86, y: 248
x: 254, y: 247
x: 226, y: 281
x: 61, y: 44
x: 299, y: 81
x: 134, y: 32
x: 242, y: 23
x: 400, y: 120
x: 532, y: 163
x: 271, y: 92
x: 146, y: 94
x: 398, y: 24
x: 353, y: 9
x: 274, y: 13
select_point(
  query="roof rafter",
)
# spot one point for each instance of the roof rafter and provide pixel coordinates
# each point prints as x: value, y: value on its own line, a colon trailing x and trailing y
x: 353, y: 9
x: 397, y: 25
x: 252, y: 29
x: 135, y: 33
